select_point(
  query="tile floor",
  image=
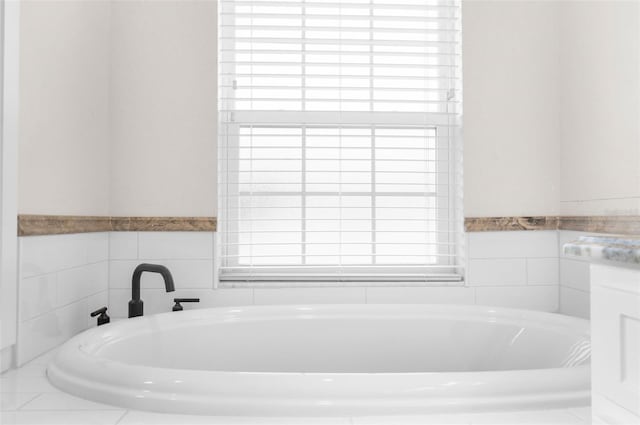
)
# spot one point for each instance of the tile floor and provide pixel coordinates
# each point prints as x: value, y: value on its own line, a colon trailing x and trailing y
x: 27, y: 397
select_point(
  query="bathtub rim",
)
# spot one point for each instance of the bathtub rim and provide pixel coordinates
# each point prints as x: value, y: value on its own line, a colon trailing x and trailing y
x: 538, y: 319
x: 567, y: 386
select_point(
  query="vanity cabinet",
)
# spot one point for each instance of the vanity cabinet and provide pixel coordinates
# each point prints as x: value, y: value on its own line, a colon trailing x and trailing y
x: 615, y: 333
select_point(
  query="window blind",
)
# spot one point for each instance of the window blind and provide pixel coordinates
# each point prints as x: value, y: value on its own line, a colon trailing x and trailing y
x: 339, y: 153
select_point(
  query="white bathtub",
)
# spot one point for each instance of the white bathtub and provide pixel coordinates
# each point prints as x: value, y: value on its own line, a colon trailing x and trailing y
x: 333, y: 360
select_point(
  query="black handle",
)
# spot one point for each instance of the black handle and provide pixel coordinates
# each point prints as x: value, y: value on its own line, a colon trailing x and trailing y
x: 103, y: 318
x: 102, y: 310
x: 186, y: 300
x: 178, y: 306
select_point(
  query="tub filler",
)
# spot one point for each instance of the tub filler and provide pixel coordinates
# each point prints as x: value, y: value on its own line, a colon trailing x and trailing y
x: 331, y: 360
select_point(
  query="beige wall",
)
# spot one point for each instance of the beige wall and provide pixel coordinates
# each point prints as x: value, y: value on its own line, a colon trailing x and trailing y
x: 118, y: 107
x: 600, y: 107
x: 163, y: 108
x: 162, y: 111
x: 64, y: 101
x: 552, y: 107
x: 511, y: 114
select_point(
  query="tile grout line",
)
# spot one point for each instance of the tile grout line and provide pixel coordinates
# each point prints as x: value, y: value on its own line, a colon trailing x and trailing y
x: 65, y: 306
x: 108, y: 272
x: 164, y: 259
x: 574, y: 289
x: 115, y: 409
x: 570, y: 412
x: 28, y: 401
x: 66, y: 269
x: 126, y: 412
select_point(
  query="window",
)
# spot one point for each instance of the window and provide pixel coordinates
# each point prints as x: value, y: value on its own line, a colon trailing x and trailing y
x: 339, y: 151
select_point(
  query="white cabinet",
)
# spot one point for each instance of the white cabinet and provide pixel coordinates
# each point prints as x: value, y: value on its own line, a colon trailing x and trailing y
x: 615, y: 319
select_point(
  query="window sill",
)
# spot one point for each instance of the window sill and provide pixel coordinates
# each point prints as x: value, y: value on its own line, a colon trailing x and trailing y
x: 335, y: 284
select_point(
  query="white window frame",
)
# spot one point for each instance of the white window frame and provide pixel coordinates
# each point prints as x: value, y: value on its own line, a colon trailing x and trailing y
x: 442, y: 122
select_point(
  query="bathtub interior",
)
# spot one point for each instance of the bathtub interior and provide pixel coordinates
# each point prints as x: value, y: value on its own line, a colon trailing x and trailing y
x: 308, y: 340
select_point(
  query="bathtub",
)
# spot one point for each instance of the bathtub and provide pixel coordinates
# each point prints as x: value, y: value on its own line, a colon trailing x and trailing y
x: 331, y: 360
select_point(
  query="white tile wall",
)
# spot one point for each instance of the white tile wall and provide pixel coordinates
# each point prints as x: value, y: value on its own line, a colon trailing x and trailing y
x: 189, y: 257
x: 575, y: 303
x: 543, y: 271
x: 48, y: 330
x: 159, y: 301
x: 82, y: 282
x: 38, y: 295
x: 175, y: 245
x: 335, y: 295
x: 514, y: 269
x: 65, y: 277
x: 192, y: 274
x: 518, y: 269
x: 574, y: 279
x: 123, y: 245
x: 522, y: 244
x: 544, y: 298
x: 421, y: 295
x: 574, y: 273
x: 62, y: 279
x: 48, y: 254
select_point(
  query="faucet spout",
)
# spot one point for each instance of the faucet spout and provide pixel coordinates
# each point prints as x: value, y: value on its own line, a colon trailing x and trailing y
x: 136, y: 306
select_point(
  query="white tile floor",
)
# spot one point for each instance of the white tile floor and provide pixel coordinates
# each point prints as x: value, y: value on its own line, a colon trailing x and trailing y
x: 27, y: 397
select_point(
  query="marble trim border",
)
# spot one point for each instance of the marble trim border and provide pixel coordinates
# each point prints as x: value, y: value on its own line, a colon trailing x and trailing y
x: 36, y: 225
x: 33, y: 225
x: 39, y: 225
x: 609, y: 224
x: 494, y: 224
x: 163, y: 224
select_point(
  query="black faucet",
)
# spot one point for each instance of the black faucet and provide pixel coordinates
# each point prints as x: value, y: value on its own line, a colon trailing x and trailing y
x: 136, y: 304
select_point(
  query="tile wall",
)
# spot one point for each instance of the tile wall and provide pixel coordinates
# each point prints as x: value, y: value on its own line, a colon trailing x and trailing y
x: 527, y: 261
x: 188, y: 255
x: 514, y: 269
x: 574, y: 279
x: 64, y: 277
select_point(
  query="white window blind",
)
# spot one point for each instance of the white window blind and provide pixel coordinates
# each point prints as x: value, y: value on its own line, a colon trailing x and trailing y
x: 339, y: 155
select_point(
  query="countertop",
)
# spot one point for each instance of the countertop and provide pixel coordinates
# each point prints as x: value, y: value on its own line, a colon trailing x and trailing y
x: 622, y: 249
